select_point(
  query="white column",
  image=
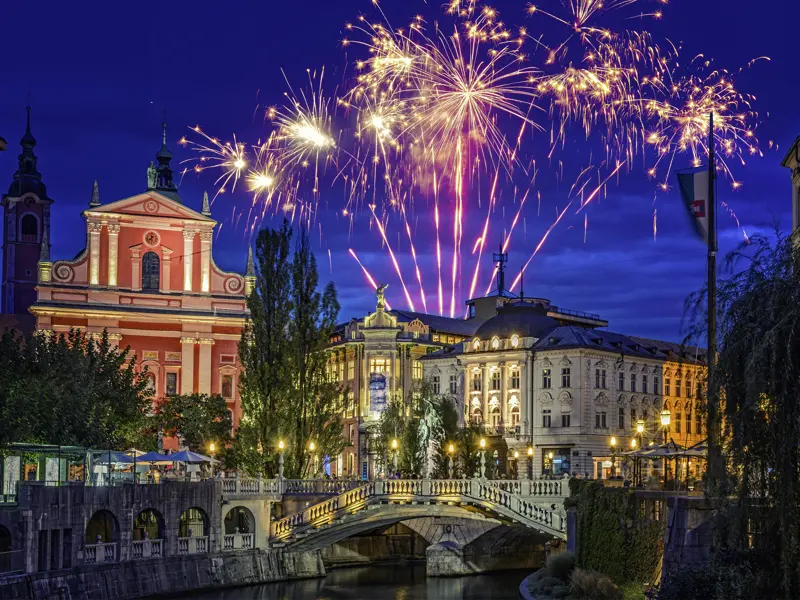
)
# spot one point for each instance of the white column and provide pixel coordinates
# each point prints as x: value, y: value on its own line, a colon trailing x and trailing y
x: 188, y: 249
x: 187, y: 365
x: 205, y: 261
x: 94, y: 252
x: 204, y: 366
x: 113, y: 252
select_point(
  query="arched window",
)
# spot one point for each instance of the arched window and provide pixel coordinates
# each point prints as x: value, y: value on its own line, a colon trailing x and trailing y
x: 495, y: 416
x: 29, y: 228
x: 514, y: 416
x: 151, y: 271
x: 477, y: 415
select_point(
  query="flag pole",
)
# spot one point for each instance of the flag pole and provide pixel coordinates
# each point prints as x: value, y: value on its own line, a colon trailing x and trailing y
x: 715, y: 465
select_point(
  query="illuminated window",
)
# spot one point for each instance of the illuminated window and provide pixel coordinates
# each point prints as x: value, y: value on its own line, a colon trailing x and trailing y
x: 477, y: 381
x: 515, y: 379
x: 515, y: 416
x: 227, y: 386
x: 417, y: 370
x: 477, y: 415
x: 495, y: 343
x: 677, y: 422
x: 546, y: 378
x: 495, y: 380
x: 476, y: 344
x: 351, y: 369
x: 496, y: 416
x: 666, y: 386
x: 380, y: 365
x: 341, y: 371
x: 514, y: 340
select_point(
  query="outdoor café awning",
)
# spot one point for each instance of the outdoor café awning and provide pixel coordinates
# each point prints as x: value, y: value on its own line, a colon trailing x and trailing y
x: 187, y: 456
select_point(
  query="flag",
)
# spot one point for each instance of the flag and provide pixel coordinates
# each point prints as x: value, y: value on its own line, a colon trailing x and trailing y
x: 694, y: 191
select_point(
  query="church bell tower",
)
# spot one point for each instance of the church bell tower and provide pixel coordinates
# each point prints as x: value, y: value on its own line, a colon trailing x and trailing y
x: 26, y: 224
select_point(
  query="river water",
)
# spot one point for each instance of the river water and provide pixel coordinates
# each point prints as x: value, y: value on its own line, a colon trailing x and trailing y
x: 400, y: 581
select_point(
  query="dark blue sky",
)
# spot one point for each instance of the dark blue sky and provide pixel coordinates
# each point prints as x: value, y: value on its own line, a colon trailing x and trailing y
x: 100, y: 74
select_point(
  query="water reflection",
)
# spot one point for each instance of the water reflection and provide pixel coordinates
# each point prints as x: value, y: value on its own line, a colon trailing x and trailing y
x: 404, y: 581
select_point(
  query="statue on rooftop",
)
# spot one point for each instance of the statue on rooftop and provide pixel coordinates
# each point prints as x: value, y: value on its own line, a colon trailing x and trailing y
x: 379, y: 292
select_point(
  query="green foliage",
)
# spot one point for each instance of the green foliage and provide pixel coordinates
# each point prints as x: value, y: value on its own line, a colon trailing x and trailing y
x: 613, y: 539
x: 589, y: 585
x: 416, y: 424
x: 197, y: 419
x: 286, y: 394
x: 467, y: 451
x: 71, y: 390
x: 446, y: 434
x: 758, y: 379
x: 561, y: 564
x: 632, y: 591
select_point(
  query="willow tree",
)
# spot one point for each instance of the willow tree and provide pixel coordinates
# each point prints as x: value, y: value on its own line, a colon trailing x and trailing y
x: 758, y: 378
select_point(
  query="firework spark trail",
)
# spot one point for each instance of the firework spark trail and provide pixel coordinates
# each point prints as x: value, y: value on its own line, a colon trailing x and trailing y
x: 457, y: 227
x: 394, y: 258
x: 507, y: 240
x: 596, y: 191
x: 438, y: 244
x: 481, y: 242
x: 414, y: 256
x: 539, y: 246
x: 367, y: 275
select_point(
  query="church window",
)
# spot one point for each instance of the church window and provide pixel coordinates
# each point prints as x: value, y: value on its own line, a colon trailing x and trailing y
x: 151, y: 271
x: 172, y: 384
x: 227, y: 386
x: 29, y: 228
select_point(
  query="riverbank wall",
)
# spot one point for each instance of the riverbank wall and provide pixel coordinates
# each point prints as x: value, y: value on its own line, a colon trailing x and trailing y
x: 167, y: 576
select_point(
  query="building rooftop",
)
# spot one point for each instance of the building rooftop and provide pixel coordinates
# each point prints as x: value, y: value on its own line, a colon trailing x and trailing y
x: 463, y: 327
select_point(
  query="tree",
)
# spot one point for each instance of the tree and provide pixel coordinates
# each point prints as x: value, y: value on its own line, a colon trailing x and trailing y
x: 68, y: 389
x: 286, y: 394
x: 448, y: 434
x: 196, y: 419
x: 757, y: 376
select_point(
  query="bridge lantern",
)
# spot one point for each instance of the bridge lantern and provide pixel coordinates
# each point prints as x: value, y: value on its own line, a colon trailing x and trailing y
x: 483, y: 443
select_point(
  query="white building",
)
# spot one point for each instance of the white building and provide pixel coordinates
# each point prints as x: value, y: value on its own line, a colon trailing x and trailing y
x: 543, y: 378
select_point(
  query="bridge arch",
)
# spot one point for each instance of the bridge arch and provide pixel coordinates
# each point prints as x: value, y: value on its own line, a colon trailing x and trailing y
x: 103, y: 527
x: 239, y: 519
x: 193, y: 522
x: 149, y: 524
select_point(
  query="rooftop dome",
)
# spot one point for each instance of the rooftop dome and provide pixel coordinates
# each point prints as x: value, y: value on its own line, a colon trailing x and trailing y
x: 523, y: 318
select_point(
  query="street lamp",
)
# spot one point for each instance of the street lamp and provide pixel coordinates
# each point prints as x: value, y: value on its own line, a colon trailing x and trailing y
x: 483, y: 457
x: 281, y: 448
x: 613, y: 457
x: 635, y: 461
x: 312, y: 447
x: 530, y: 462
x: 394, y: 456
x: 211, y: 449
x: 666, y: 418
x: 450, y: 450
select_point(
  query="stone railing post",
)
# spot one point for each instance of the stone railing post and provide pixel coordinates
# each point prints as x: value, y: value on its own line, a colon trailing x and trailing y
x: 379, y: 488
x: 237, y: 488
x: 259, y: 489
x: 426, y: 487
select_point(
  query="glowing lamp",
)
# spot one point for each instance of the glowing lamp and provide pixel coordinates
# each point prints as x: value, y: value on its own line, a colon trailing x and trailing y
x: 665, y: 418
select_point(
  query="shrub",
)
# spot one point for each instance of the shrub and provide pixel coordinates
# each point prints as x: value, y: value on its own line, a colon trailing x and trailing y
x: 561, y: 565
x: 589, y: 585
x: 560, y: 591
x: 546, y: 584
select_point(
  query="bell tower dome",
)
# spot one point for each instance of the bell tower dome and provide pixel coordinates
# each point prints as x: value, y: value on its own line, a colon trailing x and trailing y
x: 26, y: 219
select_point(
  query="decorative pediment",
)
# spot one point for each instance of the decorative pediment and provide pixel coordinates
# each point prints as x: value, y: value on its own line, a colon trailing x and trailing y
x: 645, y: 401
x: 601, y: 364
x: 150, y: 204
x: 634, y: 400
x: 546, y: 363
x: 645, y: 369
x: 565, y: 362
x: 513, y: 401
x: 622, y: 400
x: 601, y: 398
x: 634, y: 368
x: 546, y: 398
x: 476, y: 403
x: 494, y: 402
x: 565, y: 397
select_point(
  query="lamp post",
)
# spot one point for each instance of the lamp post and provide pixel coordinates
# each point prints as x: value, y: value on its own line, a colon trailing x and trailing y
x: 312, y: 448
x: 483, y: 458
x: 281, y: 448
x: 635, y: 461
x: 666, y: 418
x: 516, y: 464
x: 530, y: 462
x: 613, y: 457
x: 394, y: 456
x: 211, y: 449
x: 450, y: 450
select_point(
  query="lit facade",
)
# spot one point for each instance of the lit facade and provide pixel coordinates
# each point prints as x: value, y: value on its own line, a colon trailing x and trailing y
x: 147, y: 276
x: 534, y: 379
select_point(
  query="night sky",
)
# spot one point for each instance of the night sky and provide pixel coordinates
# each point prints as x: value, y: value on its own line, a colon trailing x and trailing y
x: 100, y: 74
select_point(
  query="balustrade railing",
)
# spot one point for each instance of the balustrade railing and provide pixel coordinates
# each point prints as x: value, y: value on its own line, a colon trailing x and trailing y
x: 193, y: 545
x: 517, y: 499
x: 100, y: 553
x: 147, y: 549
x: 238, y: 541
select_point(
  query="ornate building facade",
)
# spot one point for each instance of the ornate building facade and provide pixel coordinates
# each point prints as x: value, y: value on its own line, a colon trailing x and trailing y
x: 147, y: 276
x: 540, y: 379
